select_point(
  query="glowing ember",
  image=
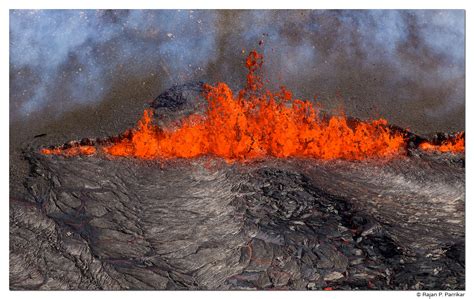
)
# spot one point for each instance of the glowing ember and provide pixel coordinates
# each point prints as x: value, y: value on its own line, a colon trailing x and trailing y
x: 454, y: 145
x: 72, y: 151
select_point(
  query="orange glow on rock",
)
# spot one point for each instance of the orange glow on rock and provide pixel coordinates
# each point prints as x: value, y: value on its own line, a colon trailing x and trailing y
x: 455, y: 145
x: 72, y: 151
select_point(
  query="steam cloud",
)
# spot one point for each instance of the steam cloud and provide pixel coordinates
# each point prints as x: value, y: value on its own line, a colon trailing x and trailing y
x: 401, y: 61
x: 79, y: 50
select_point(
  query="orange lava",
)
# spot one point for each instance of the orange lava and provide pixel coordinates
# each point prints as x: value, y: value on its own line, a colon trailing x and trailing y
x: 256, y: 124
x: 455, y: 145
x: 72, y: 151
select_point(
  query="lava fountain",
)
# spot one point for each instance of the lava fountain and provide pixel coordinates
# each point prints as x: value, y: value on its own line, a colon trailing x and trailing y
x: 258, y: 123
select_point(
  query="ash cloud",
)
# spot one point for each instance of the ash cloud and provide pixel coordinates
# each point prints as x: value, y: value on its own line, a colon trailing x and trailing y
x: 407, y: 66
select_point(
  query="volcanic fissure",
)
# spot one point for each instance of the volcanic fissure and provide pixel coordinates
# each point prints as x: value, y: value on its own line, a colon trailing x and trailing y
x: 258, y: 123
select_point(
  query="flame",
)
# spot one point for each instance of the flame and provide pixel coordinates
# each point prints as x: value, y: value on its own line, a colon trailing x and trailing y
x: 454, y: 145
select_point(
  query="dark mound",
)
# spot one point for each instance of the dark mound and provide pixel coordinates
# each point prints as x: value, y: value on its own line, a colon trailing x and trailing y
x: 178, y: 96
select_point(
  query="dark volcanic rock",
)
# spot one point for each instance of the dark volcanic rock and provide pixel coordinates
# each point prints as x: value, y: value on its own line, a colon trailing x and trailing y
x: 100, y: 223
x: 178, y: 96
x: 178, y: 102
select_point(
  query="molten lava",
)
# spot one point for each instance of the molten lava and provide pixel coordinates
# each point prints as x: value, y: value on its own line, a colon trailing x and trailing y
x: 454, y: 145
x: 72, y: 151
x: 256, y: 123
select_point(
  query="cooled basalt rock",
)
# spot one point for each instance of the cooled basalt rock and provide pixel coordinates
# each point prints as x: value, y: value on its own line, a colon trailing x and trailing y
x: 178, y: 102
x: 101, y: 223
x: 178, y: 96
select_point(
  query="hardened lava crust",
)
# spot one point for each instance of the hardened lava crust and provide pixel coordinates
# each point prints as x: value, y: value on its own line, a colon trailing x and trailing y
x: 97, y: 223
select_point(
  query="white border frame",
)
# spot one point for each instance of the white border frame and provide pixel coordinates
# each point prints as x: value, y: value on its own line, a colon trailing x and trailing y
x: 214, y: 4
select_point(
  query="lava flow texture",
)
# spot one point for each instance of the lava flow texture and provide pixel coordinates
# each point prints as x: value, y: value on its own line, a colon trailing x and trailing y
x: 257, y: 123
x: 455, y: 145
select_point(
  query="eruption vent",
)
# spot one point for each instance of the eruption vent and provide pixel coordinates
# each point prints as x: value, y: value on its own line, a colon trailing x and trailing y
x: 257, y: 123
